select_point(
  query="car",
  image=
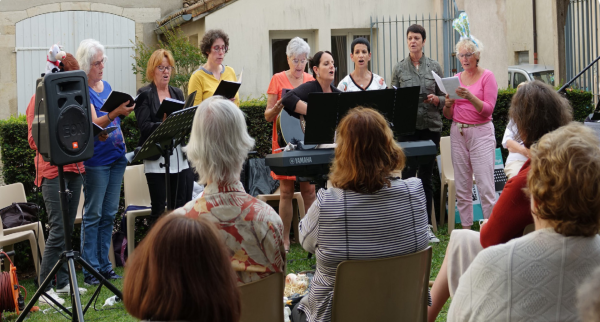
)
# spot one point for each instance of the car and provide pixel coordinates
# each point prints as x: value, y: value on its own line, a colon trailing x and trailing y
x: 528, y: 72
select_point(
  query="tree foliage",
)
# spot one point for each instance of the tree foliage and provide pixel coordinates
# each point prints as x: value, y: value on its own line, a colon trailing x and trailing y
x: 187, y: 57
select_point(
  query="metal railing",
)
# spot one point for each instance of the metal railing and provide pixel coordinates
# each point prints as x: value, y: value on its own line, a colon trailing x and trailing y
x: 388, y: 36
x: 582, y: 46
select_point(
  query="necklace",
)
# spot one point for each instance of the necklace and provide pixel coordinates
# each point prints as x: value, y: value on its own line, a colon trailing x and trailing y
x: 416, y: 63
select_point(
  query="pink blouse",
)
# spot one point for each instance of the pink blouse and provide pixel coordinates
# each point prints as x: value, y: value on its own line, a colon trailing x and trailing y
x: 486, y: 89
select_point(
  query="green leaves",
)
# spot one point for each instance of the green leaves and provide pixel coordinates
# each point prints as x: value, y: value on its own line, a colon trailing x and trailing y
x: 188, y: 58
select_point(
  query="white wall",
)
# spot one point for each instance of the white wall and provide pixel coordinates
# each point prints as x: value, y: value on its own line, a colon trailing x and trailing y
x: 487, y: 20
x: 248, y: 24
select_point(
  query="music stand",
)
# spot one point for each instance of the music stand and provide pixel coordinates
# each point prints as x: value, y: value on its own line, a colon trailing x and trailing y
x: 164, y: 139
x: 326, y: 110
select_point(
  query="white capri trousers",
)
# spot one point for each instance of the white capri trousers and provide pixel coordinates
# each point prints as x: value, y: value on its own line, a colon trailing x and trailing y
x: 473, y: 152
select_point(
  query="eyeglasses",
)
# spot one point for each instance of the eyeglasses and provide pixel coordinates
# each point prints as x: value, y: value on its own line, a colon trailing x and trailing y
x: 163, y: 68
x: 97, y: 64
x: 296, y: 61
x: 467, y: 55
x: 223, y: 48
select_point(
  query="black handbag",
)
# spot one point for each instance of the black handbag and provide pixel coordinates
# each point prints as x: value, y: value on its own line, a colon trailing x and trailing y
x: 18, y: 214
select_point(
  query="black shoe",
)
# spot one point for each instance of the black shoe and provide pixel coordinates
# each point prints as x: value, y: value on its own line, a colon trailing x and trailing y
x: 90, y: 280
x: 111, y: 275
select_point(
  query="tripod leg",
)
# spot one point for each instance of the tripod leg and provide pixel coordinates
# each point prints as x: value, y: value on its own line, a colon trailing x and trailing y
x: 99, y: 276
x: 75, y: 296
x: 41, y: 291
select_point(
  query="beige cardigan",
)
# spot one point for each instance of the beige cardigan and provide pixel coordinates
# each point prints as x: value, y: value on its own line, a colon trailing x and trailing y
x: 532, y: 278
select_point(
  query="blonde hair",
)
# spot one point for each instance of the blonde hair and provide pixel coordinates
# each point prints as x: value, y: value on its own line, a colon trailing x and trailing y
x: 155, y: 61
x: 564, y: 180
x: 219, y: 141
x: 472, y: 44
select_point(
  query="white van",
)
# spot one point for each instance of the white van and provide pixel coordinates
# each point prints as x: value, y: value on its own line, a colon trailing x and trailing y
x: 528, y: 72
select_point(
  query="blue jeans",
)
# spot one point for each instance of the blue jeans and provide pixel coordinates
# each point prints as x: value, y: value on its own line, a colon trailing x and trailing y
x: 55, y: 244
x: 102, y: 193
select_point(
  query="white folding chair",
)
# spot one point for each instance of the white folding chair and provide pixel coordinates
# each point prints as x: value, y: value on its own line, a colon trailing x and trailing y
x: 136, y: 194
x: 16, y: 193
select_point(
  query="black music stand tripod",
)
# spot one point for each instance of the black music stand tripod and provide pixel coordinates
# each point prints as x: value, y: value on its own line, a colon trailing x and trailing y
x: 163, y: 141
x: 69, y: 256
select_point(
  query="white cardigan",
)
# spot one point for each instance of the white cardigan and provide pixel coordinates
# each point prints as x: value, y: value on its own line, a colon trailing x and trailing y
x: 532, y: 278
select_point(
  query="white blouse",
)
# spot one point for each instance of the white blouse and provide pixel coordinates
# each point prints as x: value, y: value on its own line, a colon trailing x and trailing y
x: 178, y: 163
x: 348, y: 85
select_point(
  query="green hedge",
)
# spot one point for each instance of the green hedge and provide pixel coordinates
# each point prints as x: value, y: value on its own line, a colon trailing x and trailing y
x: 18, y: 158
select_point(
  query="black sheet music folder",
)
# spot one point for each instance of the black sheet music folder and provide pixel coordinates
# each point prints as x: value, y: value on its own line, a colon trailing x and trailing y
x: 326, y: 110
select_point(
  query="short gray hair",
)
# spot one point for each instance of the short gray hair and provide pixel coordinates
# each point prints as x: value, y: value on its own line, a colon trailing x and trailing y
x: 219, y: 142
x: 88, y: 49
x: 588, y: 298
x: 296, y: 47
x: 472, y: 44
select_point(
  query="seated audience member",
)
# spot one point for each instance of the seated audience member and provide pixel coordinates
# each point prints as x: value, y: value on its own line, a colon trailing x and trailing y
x: 535, y: 277
x: 181, y: 272
x: 517, y: 152
x: 536, y: 109
x: 251, y: 229
x: 387, y: 214
x: 588, y: 298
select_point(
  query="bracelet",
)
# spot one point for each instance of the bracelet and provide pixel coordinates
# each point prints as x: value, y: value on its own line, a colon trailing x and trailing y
x: 107, y: 115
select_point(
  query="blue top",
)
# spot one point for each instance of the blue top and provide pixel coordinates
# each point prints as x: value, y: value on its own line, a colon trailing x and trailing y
x: 113, y: 148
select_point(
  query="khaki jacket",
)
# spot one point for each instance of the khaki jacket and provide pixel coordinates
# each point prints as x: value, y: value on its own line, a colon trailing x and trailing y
x: 406, y: 75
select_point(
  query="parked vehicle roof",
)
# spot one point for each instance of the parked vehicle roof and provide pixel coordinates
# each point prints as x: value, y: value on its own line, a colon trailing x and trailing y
x: 533, y: 68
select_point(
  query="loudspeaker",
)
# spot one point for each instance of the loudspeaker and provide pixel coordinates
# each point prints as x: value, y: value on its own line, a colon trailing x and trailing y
x: 62, y: 124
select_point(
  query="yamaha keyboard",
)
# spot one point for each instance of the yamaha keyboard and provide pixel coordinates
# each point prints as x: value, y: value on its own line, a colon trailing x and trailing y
x: 315, y: 163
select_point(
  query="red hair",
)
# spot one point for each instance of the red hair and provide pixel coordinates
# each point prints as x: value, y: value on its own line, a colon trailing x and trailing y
x: 366, y: 152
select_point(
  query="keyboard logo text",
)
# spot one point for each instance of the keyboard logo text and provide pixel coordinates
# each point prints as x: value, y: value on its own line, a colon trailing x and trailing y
x: 301, y: 160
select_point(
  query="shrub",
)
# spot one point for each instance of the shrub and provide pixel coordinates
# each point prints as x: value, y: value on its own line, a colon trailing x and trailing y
x: 258, y: 127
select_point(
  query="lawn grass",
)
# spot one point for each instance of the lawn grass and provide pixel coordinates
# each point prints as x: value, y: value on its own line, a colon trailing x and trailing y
x: 297, y: 261
x: 109, y: 313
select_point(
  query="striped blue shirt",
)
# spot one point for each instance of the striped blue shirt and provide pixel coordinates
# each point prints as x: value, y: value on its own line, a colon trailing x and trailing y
x: 346, y: 225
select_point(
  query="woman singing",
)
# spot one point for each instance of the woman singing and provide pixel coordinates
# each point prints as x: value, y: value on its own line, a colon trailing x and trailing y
x: 415, y: 70
x: 204, y: 81
x: 294, y: 102
x: 297, y: 52
x: 160, y: 70
x: 104, y: 171
x: 472, y: 132
x: 361, y: 79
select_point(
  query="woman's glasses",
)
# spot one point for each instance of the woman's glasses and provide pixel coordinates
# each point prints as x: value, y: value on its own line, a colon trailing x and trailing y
x: 223, y: 48
x: 297, y: 61
x: 467, y: 55
x: 163, y: 68
x: 97, y: 64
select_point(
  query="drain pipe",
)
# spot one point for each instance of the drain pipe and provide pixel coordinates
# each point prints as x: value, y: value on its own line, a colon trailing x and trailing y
x: 535, y: 52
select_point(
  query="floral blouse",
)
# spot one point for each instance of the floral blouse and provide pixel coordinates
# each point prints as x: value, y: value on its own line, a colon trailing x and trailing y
x: 250, y: 228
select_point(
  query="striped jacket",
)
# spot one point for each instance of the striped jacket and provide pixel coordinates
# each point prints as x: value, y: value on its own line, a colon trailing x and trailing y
x: 346, y: 225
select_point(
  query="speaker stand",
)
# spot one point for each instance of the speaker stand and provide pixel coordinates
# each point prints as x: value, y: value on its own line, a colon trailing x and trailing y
x: 70, y: 257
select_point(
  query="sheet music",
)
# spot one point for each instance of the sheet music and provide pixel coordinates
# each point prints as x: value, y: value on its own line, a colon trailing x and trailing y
x: 447, y: 85
x: 239, y: 79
